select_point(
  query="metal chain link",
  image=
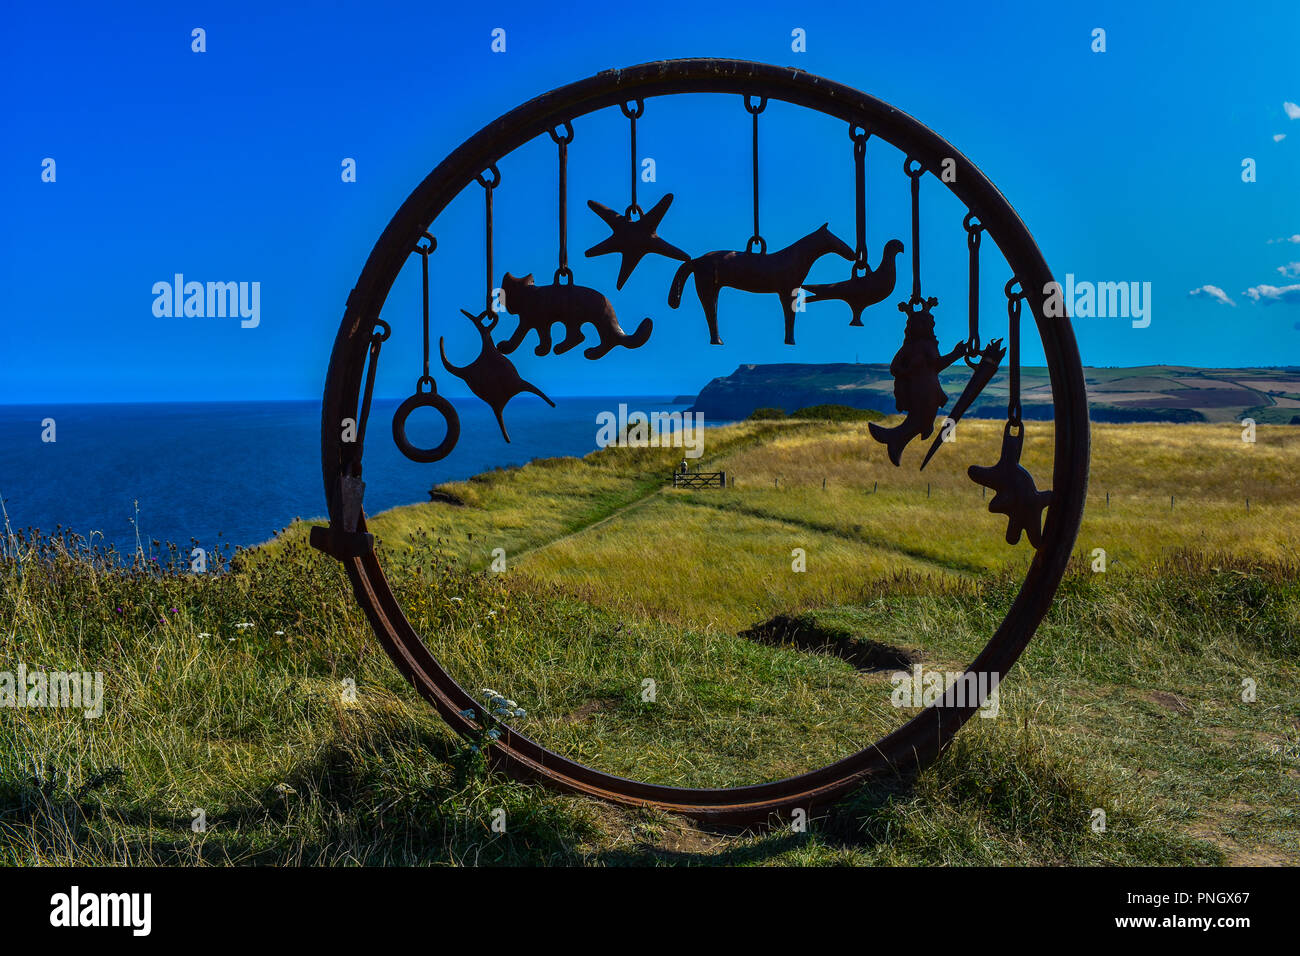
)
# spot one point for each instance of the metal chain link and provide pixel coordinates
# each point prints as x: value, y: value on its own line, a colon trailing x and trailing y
x: 915, y: 176
x: 754, y: 110
x: 1013, y: 338
x: 563, y: 141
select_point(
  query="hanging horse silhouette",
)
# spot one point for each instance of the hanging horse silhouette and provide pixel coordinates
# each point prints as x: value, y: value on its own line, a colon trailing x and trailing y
x: 780, y: 272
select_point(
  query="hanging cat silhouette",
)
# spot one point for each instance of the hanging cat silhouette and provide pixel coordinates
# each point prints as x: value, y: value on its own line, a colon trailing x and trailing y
x: 916, y: 367
x: 780, y: 272
x: 491, y: 376
x: 541, y: 306
x: 875, y: 285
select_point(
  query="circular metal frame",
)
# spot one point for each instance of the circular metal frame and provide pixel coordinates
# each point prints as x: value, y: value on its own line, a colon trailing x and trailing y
x: 924, y: 736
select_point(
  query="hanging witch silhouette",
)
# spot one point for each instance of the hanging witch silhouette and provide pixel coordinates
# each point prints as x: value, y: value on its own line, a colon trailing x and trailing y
x: 916, y: 367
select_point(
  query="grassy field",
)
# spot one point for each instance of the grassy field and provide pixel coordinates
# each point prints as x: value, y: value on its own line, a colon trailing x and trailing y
x: 231, y: 694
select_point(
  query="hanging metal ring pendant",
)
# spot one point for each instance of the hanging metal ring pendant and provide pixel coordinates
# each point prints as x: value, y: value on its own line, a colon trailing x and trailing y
x: 429, y: 399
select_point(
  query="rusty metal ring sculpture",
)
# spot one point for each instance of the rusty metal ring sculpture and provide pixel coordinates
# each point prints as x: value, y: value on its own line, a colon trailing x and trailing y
x: 924, y: 736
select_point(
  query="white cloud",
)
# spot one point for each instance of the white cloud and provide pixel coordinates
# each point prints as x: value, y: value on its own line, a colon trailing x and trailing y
x: 1278, y: 137
x: 1215, y: 293
x: 1269, y: 294
x: 1294, y: 240
x: 1292, y: 110
x: 1291, y: 269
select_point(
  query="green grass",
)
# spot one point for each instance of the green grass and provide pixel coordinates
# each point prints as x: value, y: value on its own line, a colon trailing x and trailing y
x: 1129, y: 699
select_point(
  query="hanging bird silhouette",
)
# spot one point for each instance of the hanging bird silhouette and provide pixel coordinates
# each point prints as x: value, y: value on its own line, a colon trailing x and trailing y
x: 916, y: 367
x: 875, y: 285
x: 541, y: 306
x: 781, y: 272
x: 491, y: 376
x: 1015, y: 494
x: 634, y: 238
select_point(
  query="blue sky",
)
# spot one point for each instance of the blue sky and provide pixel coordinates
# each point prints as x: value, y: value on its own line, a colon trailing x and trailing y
x: 225, y: 166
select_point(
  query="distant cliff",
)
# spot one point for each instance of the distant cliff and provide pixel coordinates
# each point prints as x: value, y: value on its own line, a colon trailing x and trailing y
x: 791, y: 386
x: 1148, y: 393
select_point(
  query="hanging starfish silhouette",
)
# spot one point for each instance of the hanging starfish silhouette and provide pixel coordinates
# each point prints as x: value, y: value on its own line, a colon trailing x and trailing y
x: 1015, y: 494
x: 634, y: 238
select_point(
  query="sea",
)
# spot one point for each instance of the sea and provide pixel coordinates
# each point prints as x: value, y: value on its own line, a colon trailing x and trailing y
x: 236, y: 473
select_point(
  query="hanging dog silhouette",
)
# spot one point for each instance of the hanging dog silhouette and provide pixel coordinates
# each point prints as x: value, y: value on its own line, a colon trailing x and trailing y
x: 875, y: 285
x: 541, y: 306
x: 780, y: 272
x: 491, y: 376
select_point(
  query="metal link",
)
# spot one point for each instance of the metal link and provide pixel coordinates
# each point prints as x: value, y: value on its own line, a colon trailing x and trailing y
x: 424, y: 276
x: 377, y: 339
x: 488, y: 186
x: 915, y: 176
x: 563, y: 143
x: 632, y: 117
x: 757, y: 237
x: 974, y: 229
x: 1013, y: 337
x: 859, y: 135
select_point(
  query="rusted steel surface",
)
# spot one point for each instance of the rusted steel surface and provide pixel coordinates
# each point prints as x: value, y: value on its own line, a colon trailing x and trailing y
x: 912, y: 745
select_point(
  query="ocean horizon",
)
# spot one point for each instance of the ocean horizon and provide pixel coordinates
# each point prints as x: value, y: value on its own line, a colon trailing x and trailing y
x: 236, y: 473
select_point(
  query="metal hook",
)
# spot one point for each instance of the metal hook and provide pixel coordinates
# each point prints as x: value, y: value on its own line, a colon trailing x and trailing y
x: 425, y: 250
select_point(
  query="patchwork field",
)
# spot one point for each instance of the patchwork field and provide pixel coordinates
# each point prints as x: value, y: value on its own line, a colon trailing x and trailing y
x: 1156, y: 393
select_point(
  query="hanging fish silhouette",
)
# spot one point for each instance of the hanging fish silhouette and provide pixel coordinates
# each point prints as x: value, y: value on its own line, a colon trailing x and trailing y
x: 916, y: 367
x: 541, y: 306
x: 989, y: 361
x: 1015, y: 494
x: 875, y: 285
x: 491, y: 376
x: 634, y: 238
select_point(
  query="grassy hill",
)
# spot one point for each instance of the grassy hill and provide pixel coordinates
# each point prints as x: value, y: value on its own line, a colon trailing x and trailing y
x: 231, y: 692
x: 1153, y: 393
